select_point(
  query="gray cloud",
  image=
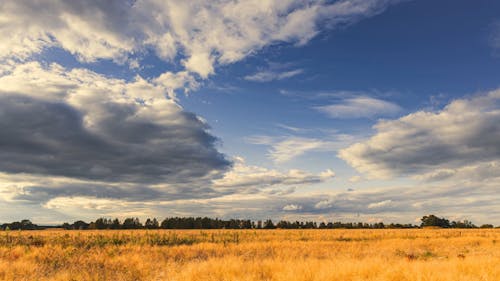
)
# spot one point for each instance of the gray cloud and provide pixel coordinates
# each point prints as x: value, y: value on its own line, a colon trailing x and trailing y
x: 462, y: 136
x: 49, y: 138
x: 93, y: 133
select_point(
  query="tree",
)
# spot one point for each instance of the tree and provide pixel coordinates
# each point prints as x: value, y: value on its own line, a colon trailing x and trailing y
x: 80, y: 225
x: 268, y: 224
x: 259, y: 224
x: 101, y: 223
x: 116, y: 224
x: 132, y: 223
x: 151, y: 223
x: 432, y: 220
x: 462, y: 224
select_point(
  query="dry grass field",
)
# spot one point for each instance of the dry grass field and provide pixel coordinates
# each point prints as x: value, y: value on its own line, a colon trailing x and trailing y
x: 415, y: 254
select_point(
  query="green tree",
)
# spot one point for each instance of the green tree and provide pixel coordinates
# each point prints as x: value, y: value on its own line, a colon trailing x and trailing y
x: 268, y: 224
x: 432, y: 220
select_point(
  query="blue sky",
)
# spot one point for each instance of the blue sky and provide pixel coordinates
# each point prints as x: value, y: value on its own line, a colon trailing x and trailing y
x: 326, y: 110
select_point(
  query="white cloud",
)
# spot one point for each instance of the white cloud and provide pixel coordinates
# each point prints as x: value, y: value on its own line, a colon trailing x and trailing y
x: 292, y: 207
x: 292, y: 147
x: 80, y: 202
x: 243, y: 175
x: 199, y: 33
x: 284, y: 149
x: 360, y: 107
x: 324, y: 204
x: 380, y: 204
x: 201, y: 63
x: 464, y: 134
x: 268, y: 75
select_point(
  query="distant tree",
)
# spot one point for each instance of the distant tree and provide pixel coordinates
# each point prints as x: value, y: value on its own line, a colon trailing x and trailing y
x: 282, y: 224
x: 101, y: 223
x: 268, y: 224
x: 432, y: 220
x: 486, y: 226
x: 22, y: 225
x: 462, y: 224
x: 80, y: 225
x: 151, y: 223
x: 259, y: 224
x: 115, y: 224
x: 131, y: 223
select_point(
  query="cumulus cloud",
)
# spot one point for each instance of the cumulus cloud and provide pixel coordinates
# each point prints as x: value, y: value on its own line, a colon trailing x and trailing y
x: 360, y: 107
x: 462, y: 137
x: 324, y: 204
x: 199, y: 33
x: 80, y: 124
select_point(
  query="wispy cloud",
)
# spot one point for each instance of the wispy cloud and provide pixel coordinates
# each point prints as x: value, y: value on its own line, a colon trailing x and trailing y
x: 380, y: 204
x: 269, y: 75
x: 243, y: 175
x: 285, y: 149
x: 360, y: 107
x: 494, y: 38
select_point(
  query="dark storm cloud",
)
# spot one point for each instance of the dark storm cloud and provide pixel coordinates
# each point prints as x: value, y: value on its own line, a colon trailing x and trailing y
x: 49, y: 138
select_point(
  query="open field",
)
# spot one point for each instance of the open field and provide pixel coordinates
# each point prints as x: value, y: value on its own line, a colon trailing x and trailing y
x: 415, y: 254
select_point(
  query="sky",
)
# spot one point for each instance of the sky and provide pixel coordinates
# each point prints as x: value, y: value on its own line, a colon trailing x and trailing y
x: 343, y: 110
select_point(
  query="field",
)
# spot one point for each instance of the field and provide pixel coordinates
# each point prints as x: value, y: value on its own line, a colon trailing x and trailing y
x: 341, y: 254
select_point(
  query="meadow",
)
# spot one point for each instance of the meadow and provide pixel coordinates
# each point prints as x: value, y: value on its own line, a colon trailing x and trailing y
x: 340, y: 254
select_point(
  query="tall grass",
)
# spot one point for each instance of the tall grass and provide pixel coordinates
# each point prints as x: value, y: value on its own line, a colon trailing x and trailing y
x: 415, y: 254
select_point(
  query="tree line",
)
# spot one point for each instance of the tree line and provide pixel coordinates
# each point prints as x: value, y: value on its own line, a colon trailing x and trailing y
x: 210, y: 223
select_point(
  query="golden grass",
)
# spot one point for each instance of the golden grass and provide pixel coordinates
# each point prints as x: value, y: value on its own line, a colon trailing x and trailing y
x: 416, y: 254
